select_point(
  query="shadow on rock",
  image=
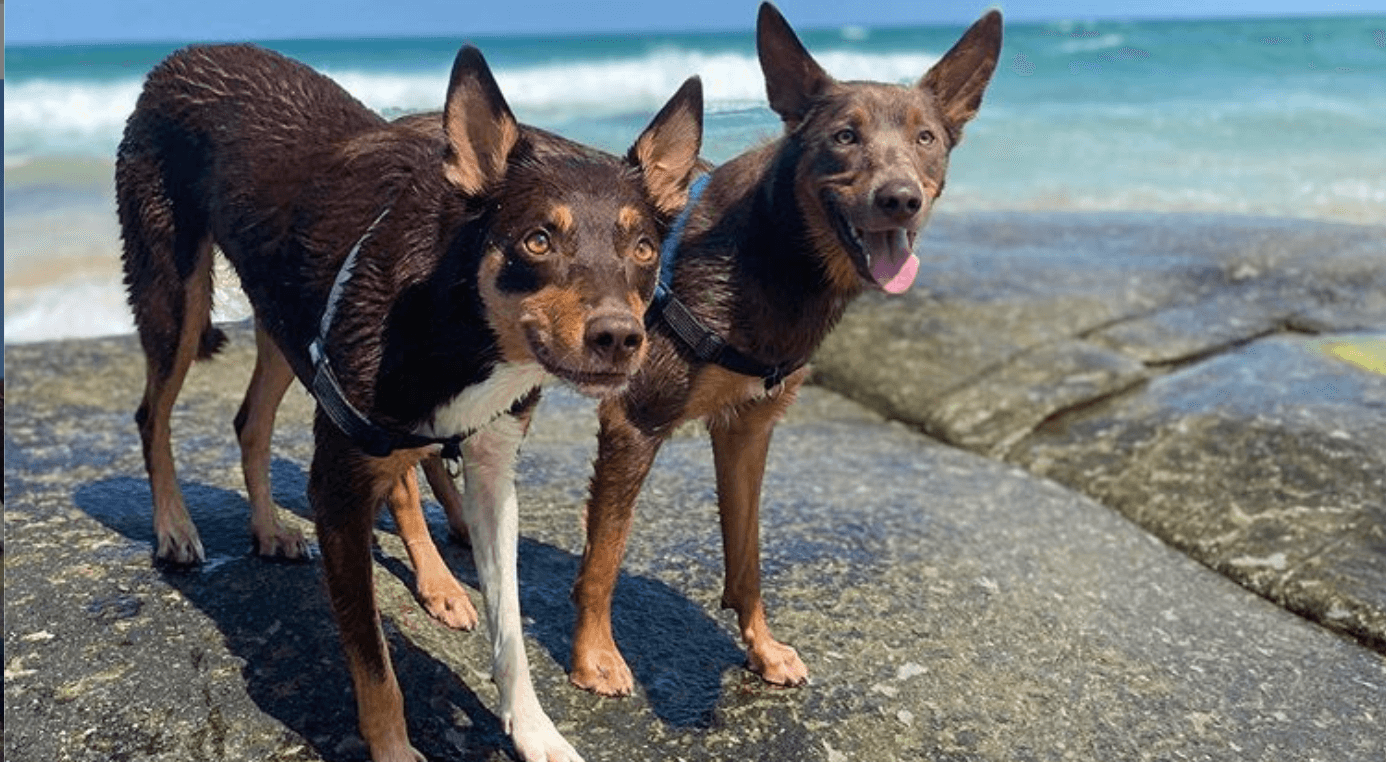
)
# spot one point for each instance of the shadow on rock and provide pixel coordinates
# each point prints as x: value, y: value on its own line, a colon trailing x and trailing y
x: 675, y: 650
x: 275, y: 617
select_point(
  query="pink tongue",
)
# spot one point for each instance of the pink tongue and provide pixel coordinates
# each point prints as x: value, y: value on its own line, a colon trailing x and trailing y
x: 893, y: 265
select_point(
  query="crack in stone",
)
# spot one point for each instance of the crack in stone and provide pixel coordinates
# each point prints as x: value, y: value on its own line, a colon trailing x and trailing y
x: 1158, y: 368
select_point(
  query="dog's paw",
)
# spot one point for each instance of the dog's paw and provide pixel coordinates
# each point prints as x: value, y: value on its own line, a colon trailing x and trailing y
x: 280, y: 541
x: 447, y: 601
x: 405, y: 753
x: 537, y: 740
x: 180, y: 546
x: 777, y: 663
x: 603, y: 672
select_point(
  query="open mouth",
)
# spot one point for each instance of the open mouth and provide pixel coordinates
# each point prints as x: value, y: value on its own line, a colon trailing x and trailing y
x: 885, y: 257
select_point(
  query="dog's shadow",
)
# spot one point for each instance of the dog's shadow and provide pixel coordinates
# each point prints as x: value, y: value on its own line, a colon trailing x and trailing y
x: 275, y: 617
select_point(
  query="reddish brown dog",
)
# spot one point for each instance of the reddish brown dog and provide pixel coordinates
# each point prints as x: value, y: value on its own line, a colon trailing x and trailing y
x: 779, y: 243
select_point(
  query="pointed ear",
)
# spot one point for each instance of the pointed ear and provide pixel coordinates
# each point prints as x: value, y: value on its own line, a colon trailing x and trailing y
x: 666, y: 153
x: 960, y: 77
x: 479, y: 126
x: 792, y: 78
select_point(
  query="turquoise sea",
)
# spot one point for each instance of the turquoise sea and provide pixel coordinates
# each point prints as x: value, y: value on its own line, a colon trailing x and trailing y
x: 1268, y: 117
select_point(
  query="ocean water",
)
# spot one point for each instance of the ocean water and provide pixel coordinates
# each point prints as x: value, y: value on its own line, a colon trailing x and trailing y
x: 1270, y: 117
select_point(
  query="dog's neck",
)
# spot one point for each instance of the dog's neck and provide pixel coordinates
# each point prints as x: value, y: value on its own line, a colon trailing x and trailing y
x: 786, y: 303
x: 433, y: 341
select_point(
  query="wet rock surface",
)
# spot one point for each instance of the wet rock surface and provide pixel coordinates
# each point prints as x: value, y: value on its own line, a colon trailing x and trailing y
x: 949, y: 606
x: 1221, y: 381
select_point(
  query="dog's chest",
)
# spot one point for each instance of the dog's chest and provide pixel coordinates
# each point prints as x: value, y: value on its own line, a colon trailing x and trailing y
x: 481, y: 403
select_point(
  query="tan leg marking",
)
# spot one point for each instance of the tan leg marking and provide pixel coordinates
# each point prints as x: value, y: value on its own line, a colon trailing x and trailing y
x: 442, y: 596
x: 740, y: 443
x: 445, y: 490
x: 255, y: 425
x: 176, y: 535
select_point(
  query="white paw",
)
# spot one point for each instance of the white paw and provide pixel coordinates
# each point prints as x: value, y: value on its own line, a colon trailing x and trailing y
x: 536, y: 739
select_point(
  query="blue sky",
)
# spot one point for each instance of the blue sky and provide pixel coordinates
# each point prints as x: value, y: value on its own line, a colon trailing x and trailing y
x: 58, y: 21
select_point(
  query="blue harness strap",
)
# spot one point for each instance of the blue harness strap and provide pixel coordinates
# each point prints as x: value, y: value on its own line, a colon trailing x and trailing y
x: 703, y: 342
x: 670, y: 249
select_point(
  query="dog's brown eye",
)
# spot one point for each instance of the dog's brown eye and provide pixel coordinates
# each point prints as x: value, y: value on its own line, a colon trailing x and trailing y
x: 645, y: 251
x: 845, y: 136
x: 538, y: 243
x: 926, y: 137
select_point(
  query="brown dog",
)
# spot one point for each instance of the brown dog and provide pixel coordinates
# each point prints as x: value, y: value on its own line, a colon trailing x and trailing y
x: 424, y: 278
x: 781, y: 240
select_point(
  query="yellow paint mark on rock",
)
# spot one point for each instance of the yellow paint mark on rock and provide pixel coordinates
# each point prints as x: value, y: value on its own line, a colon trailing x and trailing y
x: 1367, y: 353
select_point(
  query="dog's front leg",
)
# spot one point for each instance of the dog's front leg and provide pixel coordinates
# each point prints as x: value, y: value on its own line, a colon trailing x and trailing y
x: 492, y: 516
x: 346, y: 489
x: 624, y: 457
x: 740, y: 443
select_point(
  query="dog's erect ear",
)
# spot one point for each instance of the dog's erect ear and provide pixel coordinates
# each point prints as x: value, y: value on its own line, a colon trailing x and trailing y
x: 667, y: 151
x: 960, y: 77
x: 480, y: 128
x: 792, y: 78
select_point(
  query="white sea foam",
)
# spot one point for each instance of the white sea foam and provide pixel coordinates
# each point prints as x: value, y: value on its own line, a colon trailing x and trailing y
x: 70, y: 308
x: 64, y: 117
x: 1090, y: 44
x: 48, y: 117
x: 616, y: 85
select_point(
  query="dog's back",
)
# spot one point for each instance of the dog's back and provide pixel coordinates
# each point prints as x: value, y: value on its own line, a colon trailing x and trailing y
x: 250, y: 107
x: 212, y: 123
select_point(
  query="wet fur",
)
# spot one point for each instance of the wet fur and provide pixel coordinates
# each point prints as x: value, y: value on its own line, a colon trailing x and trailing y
x: 452, y: 317
x: 766, y: 263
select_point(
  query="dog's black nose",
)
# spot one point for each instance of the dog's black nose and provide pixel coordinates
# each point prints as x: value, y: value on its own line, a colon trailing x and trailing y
x: 899, y: 199
x: 614, y: 337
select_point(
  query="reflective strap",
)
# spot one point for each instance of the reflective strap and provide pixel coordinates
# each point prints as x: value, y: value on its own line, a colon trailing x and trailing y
x: 343, y: 275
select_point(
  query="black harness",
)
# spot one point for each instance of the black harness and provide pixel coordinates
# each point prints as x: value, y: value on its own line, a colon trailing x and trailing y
x: 377, y: 441
x: 374, y: 440
x: 703, y: 342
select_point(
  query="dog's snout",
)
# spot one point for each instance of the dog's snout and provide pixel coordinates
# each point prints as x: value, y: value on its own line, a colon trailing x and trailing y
x: 899, y: 199
x: 614, y: 337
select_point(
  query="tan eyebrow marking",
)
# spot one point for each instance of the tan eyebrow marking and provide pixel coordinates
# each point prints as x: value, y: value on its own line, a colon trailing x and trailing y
x: 628, y: 218
x: 562, y: 218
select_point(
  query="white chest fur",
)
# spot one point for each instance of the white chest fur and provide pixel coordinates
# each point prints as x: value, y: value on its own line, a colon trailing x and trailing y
x: 479, y: 404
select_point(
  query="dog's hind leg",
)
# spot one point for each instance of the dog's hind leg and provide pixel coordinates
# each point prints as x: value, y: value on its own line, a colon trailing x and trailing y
x: 166, y: 369
x: 740, y: 443
x: 167, y: 260
x: 254, y: 426
x: 446, y: 492
x: 491, y: 510
x: 442, y: 596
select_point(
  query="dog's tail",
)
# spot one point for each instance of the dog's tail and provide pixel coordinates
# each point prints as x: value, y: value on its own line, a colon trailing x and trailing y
x: 167, y: 257
x: 213, y: 339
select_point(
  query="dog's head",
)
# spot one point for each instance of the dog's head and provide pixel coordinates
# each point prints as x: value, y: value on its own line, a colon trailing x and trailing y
x: 870, y: 156
x: 571, y: 254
